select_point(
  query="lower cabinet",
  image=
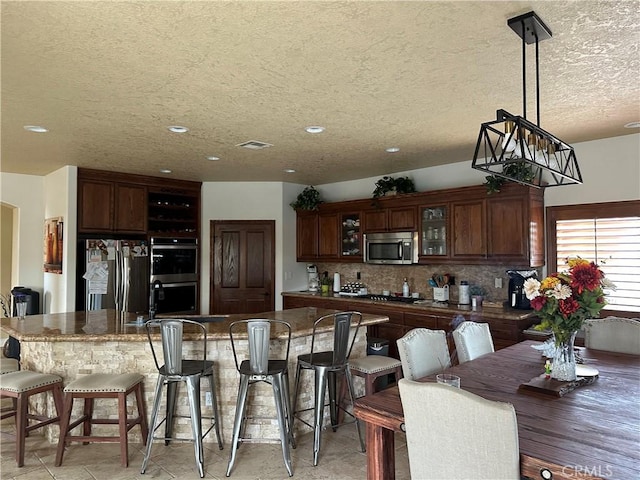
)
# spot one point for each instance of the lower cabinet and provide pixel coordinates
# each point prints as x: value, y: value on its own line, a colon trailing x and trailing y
x: 504, y: 331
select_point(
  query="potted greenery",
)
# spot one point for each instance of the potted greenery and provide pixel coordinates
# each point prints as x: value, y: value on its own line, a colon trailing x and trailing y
x: 518, y: 171
x: 389, y: 184
x: 325, y: 284
x: 308, y: 199
x: 477, y: 293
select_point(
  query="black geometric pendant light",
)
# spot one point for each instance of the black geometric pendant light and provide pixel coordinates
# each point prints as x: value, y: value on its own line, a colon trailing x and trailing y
x: 513, y: 148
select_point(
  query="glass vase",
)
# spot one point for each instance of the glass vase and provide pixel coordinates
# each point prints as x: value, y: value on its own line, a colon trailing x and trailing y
x: 564, y: 360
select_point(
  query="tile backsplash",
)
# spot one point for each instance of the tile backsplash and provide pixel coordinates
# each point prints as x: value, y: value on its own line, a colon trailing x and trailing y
x: 389, y: 277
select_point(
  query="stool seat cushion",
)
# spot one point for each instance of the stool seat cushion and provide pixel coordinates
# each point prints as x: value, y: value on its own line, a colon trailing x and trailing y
x: 8, y: 365
x: 25, y: 380
x: 374, y: 364
x: 104, y: 382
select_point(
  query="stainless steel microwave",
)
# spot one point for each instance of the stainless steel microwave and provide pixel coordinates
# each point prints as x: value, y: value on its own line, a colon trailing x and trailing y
x: 397, y: 248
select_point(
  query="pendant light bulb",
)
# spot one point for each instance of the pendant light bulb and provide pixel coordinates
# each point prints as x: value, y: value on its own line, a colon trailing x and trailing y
x: 531, y: 147
x: 509, y: 142
x: 551, y: 150
x: 540, y: 158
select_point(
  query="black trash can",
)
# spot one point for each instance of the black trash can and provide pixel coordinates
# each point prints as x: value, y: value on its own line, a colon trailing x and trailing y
x: 11, y: 348
x: 377, y: 346
x: 380, y: 346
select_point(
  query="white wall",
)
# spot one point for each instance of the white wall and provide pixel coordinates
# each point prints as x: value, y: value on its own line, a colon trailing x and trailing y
x: 295, y: 274
x: 60, y: 197
x: 26, y: 193
x: 249, y: 201
x: 610, y: 172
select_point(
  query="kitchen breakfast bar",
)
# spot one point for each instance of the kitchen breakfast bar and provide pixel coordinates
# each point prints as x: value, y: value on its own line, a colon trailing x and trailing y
x: 105, y: 341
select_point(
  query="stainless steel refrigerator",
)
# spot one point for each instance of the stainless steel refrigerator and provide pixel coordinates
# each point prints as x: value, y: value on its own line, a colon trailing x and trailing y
x: 117, y: 275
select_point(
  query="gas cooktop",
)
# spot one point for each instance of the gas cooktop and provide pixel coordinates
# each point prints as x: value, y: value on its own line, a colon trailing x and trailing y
x: 390, y: 298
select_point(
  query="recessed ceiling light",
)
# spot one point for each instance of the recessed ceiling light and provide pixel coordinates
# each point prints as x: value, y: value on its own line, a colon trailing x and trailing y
x: 213, y: 158
x: 393, y: 149
x: 35, y: 128
x: 178, y: 129
x: 289, y: 170
x: 626, y: 125
x: 165, y: 170
x: 314, y: 129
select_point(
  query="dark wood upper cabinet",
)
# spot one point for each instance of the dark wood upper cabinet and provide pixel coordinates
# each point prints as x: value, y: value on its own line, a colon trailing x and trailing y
x: 391, y: 219
x: 329, y: 234
x: 402, y: 219
x: 515, y: 228
x: 469, y: 230
x: 507, y: 228
x: 375, y: 220
x: 95, y: 206
x: 111, y: 202
x: 459, y: 225
x: 306, y: 236
x: 130, y: 208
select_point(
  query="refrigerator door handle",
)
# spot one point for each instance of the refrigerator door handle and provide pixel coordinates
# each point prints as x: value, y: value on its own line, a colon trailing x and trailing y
x: 117, y: 287
x: 125, y: 269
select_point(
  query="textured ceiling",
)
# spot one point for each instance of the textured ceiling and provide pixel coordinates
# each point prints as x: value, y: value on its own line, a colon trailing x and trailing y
x: 107, y: 78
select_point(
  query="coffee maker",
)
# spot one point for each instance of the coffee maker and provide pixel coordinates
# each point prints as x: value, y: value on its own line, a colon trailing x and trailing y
x: 517, y: 297
x: 313, y: 280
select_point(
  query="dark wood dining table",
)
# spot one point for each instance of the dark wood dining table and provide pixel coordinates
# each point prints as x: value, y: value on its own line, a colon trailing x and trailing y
x: 592, y: 432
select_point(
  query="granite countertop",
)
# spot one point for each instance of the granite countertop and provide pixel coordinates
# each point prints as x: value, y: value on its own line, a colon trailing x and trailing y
x: 424, y: 305
x: 110, y: 325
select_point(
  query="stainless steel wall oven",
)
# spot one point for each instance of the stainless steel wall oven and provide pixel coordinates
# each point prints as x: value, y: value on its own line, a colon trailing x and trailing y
x: 174, y: 259
x: 174, y: 275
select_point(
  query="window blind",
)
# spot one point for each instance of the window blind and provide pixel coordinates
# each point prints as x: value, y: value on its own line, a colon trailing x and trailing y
x: 612, y: 243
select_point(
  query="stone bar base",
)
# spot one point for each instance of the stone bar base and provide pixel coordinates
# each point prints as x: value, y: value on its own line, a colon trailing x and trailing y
x: 73, y: 359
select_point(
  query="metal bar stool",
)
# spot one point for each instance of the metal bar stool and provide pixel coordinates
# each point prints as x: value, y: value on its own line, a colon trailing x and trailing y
x: 174, y: 371
x: 326, y: 366
x: 102, y: 385
x: 259, y: 368
x: 21, y: 386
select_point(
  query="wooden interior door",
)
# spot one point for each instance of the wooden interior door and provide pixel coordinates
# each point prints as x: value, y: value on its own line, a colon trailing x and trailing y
x: 243, y: 266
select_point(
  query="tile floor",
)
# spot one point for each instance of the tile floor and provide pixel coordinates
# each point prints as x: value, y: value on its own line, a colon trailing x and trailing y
x: 340, y: 459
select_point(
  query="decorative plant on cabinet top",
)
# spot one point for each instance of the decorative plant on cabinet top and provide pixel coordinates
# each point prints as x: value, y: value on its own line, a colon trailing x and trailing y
x: 308, y: 199
x: 389, y: 184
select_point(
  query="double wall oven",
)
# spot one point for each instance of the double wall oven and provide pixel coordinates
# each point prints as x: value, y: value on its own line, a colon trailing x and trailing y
x: 174, y: 274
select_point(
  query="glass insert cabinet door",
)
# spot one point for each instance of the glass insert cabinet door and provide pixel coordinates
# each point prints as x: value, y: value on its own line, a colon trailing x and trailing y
x: 434, y: 231
x: 350, y: 235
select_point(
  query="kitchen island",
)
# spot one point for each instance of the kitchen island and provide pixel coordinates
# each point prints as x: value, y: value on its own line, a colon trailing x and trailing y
x: 105, y: 341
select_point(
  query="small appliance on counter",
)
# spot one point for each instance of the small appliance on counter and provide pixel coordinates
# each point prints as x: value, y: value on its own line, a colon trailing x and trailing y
x: 313, y: 279
x: 336, y: 282
x: 517, y: 298
x: 353, y: 289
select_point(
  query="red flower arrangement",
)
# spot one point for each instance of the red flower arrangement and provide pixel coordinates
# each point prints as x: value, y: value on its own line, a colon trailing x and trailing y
x: 565, y: 300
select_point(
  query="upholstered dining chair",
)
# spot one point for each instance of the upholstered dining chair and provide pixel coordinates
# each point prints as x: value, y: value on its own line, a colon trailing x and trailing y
x: 460, y: 435
x: 472, y: 340
x: 613, y: 334
x: 423, y: 352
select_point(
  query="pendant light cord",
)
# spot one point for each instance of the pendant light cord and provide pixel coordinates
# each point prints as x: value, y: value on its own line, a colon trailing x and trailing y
x: 524, y: 75
x: 537, y: 79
